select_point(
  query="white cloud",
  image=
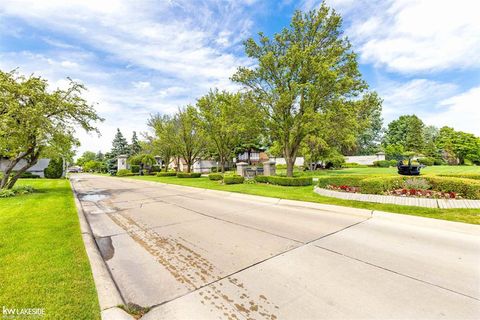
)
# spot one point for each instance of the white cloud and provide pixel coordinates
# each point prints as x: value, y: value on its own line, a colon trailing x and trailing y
x: 136, y: 58
x: 413, y: 36
x: 416, y: 96
x: 461, y: 112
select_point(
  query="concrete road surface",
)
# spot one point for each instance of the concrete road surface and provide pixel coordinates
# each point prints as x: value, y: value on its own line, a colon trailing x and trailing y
x: 198, y: 254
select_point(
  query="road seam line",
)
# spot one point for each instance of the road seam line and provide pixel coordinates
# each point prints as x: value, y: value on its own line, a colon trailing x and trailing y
x: 396, y: 272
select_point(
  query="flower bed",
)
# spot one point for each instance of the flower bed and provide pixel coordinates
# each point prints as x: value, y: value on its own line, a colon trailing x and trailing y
x: 425, y: 186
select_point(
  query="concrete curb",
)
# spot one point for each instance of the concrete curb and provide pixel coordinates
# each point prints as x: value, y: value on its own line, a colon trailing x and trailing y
x: 109, y: 297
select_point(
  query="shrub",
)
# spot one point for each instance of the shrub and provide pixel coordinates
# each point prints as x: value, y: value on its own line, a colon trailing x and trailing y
x: 474, y: 176
x: 286, y: 181
x: 124, y: 173
x: 135, y: 168
x: 166, y: 174
x: 438, y: 162
x: 416, y: 183
x: 393, y: 163
x: 467, y: 188
x: 6, y: 193
x: 215, y: 176
x: 380, y: 184
x: 384, y: 163
x: 233, y: 179
x: 353, y: 165
x: 29, y: 175
x: 428, y: 161
x: 281, y: 166
x: 54, y: 169
x: 155, y: 169
x: 188, y: 175
x: 342, y: 180
x: 261, y: 179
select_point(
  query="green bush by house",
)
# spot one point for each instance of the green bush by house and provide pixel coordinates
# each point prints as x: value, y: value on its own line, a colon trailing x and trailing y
x: 215, y: 176
x: 135, y: 168
x: 166, y: 174
x: 29, y: 175
x: 188, y: 175
x: 54, y: 169
x: 236, y: 179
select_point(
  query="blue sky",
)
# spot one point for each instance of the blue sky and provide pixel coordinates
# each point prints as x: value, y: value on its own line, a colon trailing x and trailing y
x: 143, y: 57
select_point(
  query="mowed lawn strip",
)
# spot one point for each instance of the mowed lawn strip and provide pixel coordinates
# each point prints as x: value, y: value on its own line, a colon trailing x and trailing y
x: 43, y: 259
x: 307, y: 194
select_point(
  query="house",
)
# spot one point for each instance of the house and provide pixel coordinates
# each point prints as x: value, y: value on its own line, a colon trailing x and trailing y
x: 37, y: 169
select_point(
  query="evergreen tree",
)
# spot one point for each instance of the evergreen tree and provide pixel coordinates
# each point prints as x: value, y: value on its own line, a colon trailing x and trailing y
x: 119, y: 145
x: 135, y: 147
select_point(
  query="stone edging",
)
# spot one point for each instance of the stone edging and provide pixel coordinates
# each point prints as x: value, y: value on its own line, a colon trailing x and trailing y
x: 109, y: 296
x: 403, y: 201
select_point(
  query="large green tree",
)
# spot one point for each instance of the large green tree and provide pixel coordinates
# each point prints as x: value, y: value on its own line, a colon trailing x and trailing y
x: 165, y: 141
x: 227, y: 120
x: 86, y: 156
x: 304, y: 78
x: 191, y: 138
x: 407, y: 131
x: 461, y: 144
x: 36, y: 121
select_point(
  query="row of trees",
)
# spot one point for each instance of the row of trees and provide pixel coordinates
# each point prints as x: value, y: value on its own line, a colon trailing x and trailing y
x: 409, y: 134
x: 304, y: 95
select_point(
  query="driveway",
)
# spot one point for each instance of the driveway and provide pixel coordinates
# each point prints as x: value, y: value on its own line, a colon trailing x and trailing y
x: 199, y: 254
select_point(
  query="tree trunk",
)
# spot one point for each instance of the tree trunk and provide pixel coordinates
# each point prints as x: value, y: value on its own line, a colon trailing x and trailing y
x: 222, y: 164
x: 11, y: 182
x: 7, y: 172
x: 290, y: 164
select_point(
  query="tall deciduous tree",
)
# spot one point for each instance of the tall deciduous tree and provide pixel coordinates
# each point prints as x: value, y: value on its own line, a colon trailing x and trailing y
x: 408, y: 132
x: 228, y: 119
x: 165, y: 142
x: 304, y: 75
x: 463, y: 145
x: 35, y: 121
x: 191, y: 138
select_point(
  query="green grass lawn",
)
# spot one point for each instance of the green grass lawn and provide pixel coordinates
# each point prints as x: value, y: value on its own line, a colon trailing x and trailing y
x: 43, y: 259
x: 307, y: 194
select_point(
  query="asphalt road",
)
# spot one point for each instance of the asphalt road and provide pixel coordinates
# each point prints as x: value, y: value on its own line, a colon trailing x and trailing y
x: 198, y: 254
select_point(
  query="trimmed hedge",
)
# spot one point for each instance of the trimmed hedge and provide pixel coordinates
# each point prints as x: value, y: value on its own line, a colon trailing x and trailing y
x: 124, y: 173
x: 285, y: 181
x: 233, y: 179
x: 188, y: 175
x: 29, y: 175
x: 353, y: 165
x: 378, y: 185
x: 474, y: 176
x: 385, y: 163
x: 467, y: 188
x: 215, y: 176
x: 155, y: 169
x: 166, y: 174
x: 428, y: 161
x: 342, y: 180
x: 135, y: 168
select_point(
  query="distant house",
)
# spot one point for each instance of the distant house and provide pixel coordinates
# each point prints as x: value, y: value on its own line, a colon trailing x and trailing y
x: 36, y: 169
